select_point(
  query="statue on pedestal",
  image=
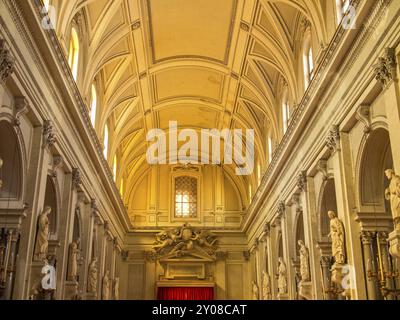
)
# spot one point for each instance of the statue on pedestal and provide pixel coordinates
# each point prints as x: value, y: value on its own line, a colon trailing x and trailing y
x: 304, y: 262
x: 282, y: 280
x: 92, y: 277
x: 105, y: 291
x: 393, y: 194
x: 73, y: 261
x: 337, y: 235
x: 255, y: 291
x: 116, y: 289
x: 42, y: 237
x: 266, y: 286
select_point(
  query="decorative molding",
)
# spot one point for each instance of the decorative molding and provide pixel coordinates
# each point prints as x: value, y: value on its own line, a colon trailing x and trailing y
x: 136, y: 25
x: 322, y: 167
x: 244, y: 26
x: 363, y: 115
x: 7, y: 62
x: 185, y: 241
x: 20, y: 108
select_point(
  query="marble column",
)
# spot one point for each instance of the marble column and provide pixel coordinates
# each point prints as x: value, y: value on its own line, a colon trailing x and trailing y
x: 339, y: 145
x: 370, y: 265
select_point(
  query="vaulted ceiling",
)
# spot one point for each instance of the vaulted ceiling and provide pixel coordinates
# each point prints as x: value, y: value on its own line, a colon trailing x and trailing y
x: 204, y: 63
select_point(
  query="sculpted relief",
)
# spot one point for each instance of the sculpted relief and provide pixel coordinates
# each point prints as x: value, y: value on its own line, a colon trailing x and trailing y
x: 338, y: 238
x: 181, y: 241
x: 42, y: 237
x: 392, y: 193
x: 304, y: 261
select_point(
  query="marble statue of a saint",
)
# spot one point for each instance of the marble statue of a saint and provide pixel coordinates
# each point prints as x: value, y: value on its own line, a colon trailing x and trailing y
x: 338, y: 238
x: 282, y: 277
x: 42, y: 237
x: 266, y: 289
x: 92, y: 277
x: 116, y: 289
x: 105, y: 290
x: 393, y: 194
x: 255, y: 291
x: 304, y: 261
x: 73, y: 261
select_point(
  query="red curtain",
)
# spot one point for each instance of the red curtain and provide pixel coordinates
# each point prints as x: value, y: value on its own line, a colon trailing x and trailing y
x: 166, y: 293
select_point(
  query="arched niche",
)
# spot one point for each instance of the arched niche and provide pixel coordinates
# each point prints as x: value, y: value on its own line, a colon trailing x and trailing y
x: 375, y: 159
x: 279, y: 248
x: 76, y: 232
x: 327, y: 202
x: 51, y: 201
x: 299, y: 231
x: 11, y: 171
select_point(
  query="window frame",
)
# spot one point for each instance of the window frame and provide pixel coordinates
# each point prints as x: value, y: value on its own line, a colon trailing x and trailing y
x: 74, y: 52
x: 193, y: 172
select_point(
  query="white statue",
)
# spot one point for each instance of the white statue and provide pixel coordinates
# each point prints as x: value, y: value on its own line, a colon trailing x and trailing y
x: 255, y: 291
x: 105, y: 291
x: 1, y: 165
x: 73, y: 261
x: 42, y: 237
x: 282, y: 280
x: 266, y: 286
x: 338, y: 238
x: 393, y: 194
x: 116, y: 288
x: 92, y: 277
x: 304, y: 262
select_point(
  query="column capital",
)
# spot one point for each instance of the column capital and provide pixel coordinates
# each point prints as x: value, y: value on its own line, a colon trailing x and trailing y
x: 49, y: 134
x: 301, y: 181
x: 7, y: 62
x: 366, y: 237
x: 332, y: 141
x: 76, y: 178
x: 385, y: 68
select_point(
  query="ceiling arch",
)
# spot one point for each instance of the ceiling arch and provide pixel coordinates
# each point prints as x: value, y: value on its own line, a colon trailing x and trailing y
x: 214, y: 65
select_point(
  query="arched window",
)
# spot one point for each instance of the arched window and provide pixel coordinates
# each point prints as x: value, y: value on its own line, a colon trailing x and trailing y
x: 105, y: 142
x: 185, y: 197
x: 259, y: 173
x: 285, y: 115
x: 115, y: 167
x: 270, y: 149
x: 308, y: 60
x: 250, y: 192
x: 121, y: 187
x: 342, y: 7
x: 93, y: 106
x: 73, y: 56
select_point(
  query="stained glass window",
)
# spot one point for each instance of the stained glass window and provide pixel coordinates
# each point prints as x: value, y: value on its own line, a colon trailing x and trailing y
x: 185, y: 197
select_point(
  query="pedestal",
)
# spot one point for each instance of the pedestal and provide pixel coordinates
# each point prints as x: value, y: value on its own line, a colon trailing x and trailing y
x: 71, y: 290
x: 394, y: 241
x: 91, y: 296
x: 338, y: 277
x: 305, y: 290
x: 283, y: 296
